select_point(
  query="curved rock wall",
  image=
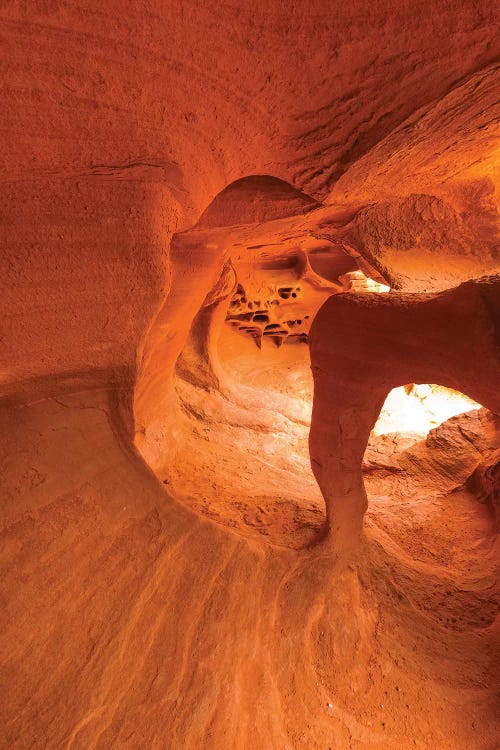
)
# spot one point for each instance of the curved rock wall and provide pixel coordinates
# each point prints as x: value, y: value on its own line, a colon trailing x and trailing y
x: 154, y: 157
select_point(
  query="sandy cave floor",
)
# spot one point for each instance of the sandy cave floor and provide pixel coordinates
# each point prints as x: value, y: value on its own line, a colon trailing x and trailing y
x: 267, y: 487
x: 281, y: 647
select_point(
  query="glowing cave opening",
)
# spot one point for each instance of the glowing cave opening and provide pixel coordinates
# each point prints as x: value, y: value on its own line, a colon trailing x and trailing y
x: 415, y: 409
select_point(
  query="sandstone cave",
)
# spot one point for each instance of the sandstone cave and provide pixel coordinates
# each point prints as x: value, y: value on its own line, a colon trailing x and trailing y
x: 250, y: 375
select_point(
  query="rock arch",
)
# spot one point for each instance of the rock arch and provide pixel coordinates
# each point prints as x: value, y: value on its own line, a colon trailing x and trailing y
x: 362, y: 346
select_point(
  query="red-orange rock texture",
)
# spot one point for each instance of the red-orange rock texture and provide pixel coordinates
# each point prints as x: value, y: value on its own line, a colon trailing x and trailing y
x: 204, y: 207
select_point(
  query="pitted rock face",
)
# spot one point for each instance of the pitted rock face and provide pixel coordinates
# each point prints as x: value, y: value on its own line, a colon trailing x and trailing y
x: 281, y: 294
x: 284, y: 316
x: 270, y: 318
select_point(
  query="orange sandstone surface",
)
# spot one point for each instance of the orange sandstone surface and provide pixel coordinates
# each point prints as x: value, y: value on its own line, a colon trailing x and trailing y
x: 249, y: 375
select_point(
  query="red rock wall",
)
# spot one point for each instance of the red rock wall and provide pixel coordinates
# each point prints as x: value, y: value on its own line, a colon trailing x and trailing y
x: 129, y: 619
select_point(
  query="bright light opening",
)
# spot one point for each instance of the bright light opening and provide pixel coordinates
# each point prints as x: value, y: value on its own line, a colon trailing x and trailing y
x: 416, y: 409
x: 356, y: 281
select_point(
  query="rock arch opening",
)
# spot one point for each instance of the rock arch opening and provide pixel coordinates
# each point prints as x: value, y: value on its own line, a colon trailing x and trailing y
x: 428, y: 473
x: 224, y: 393
x: 413, y: 410
x: 380, y: 341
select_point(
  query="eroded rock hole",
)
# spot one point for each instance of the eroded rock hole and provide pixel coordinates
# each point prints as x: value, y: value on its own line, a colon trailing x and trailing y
x: 245, y: 393
x: 247, y: 365
x: 431, y: 472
